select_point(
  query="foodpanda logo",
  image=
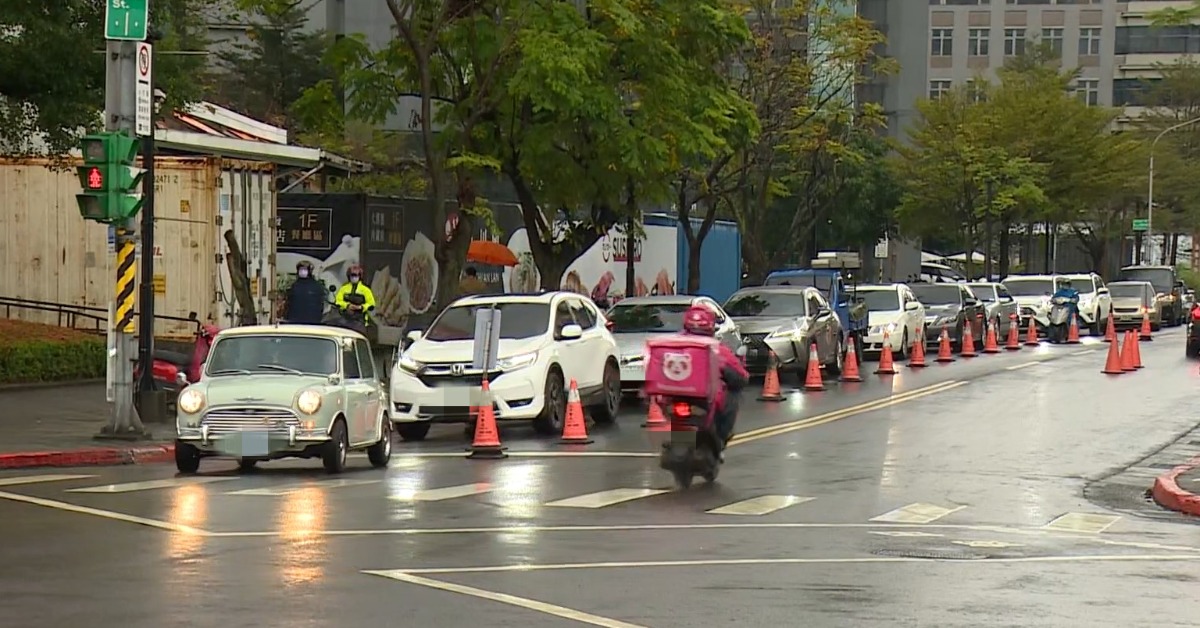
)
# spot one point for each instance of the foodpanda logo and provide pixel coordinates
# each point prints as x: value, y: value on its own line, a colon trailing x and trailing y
x: 677, y: 367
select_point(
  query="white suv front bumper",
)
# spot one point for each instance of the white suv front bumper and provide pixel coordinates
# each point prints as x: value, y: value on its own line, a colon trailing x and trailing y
x: 515, y: 396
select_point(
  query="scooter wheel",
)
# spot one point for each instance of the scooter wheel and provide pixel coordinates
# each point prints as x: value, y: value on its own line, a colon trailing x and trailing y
x: 683, y: 479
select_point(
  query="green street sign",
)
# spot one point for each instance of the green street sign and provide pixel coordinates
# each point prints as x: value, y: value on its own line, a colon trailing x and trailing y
x: 1141, y: 224
x: 126, y: 20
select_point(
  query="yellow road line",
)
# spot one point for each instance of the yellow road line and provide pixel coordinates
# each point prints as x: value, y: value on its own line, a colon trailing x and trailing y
x: 829, y: 417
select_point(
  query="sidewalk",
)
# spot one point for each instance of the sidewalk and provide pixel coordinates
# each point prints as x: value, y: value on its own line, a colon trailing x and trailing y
x: 54, y: 427
x: 1177, y: 489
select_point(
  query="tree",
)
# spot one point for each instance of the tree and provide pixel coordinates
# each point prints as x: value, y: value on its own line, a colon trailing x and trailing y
x: 52, y: 75
x: 800, y: 73
x: 264, y: 76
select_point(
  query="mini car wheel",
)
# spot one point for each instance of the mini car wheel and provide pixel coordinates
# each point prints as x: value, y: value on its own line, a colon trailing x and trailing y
x: 381, y: 452
x: 554, y: 405
x: 333, y: 453
x: 610, y: 406
x: 413, y: 431
x: 187, y: 457
x: 246, y: 464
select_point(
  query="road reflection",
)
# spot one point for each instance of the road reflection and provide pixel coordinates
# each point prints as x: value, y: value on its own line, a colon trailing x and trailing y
x: 301, y: 522
x: 189, y: 507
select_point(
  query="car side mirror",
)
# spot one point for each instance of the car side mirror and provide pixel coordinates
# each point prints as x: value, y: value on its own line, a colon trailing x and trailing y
x: 1102, y: 291
x: 822, y: 311
x: 414, y: 335
x: 740, y: 351
x: 971, y: 302
x: 1007, y: 299
x: 335, y: 379
x: 181, y: 379
x: 912, y: 306
x: 570, y: 332
x: 1179, y: 284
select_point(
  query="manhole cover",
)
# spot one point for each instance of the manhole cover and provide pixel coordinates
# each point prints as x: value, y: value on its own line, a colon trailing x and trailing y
x: 928, y: 554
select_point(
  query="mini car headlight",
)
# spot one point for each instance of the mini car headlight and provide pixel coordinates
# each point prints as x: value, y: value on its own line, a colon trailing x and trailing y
x: 309, y: 402
x: 516, y: 361
x: 191, y: 401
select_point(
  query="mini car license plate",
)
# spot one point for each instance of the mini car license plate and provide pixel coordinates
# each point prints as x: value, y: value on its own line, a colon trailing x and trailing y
x: 246, y: 444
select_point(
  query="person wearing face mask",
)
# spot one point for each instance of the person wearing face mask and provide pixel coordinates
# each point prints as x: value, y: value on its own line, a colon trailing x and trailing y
x: 306, y: 297
x: 347, y: 299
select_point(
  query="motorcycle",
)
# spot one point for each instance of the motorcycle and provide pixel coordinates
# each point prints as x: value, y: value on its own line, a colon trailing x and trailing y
x: 173, y: 370
x: 345, y: 318
x: 1060, y: 319
x: 693, y: 447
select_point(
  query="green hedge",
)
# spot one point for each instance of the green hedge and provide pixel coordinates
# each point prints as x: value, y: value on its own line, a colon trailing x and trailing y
x: 43, y: 361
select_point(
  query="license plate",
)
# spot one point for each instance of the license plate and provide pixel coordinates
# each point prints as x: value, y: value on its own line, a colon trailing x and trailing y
x: 246, y: 444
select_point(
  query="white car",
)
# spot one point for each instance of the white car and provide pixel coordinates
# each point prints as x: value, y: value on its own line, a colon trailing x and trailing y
x: 639, y: 319
x: 894, y: 310
x: 1033, y: 293
x: 546, y: 340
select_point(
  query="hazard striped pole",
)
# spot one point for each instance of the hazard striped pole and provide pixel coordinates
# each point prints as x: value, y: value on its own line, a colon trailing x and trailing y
x: 126, y: 285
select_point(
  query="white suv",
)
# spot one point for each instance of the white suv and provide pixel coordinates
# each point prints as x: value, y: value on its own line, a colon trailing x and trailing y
x: 546, y: 340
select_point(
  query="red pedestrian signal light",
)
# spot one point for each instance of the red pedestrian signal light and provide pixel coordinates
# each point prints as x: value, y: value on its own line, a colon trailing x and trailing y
x: 95, y: 179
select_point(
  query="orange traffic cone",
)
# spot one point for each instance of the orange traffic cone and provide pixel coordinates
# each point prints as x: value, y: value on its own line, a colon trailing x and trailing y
x: 990, y: 343
x: 917, y: 358
x: 1127, y: 352
x: 771, y: 381
x: 1014, y: 333
x: 655, y: 417
x: 575, y: 425
x: 887, y: 365
x: 1073, y: 331
x: 487, y: 437
x: 967, y: 350
x: 850, y: 368
x: 1110, y: 330
x: 812, y: 379
x: 1112, y: 366
x: 1137, y: 352
x: 1145, y: 331
x: 1031, y: 338
x: 945, y: 353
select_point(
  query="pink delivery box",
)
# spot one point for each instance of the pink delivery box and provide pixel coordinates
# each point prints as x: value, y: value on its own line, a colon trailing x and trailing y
x: 683, y: 366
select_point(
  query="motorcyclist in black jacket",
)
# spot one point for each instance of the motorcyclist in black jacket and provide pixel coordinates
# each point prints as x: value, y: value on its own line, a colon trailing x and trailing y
x: 306, y: 297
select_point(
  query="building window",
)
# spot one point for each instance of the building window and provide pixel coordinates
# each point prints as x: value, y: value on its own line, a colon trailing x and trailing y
x: 938, y: 88
x: 1053, y: 37
x: 1131, y: 91
x: 977, y: 90
x: 1158, y: 40
x: 1014, y: 42
x: 1088, y: 90
x: 1089, y: 42
x: 977, y: 42
x: 941, y: 42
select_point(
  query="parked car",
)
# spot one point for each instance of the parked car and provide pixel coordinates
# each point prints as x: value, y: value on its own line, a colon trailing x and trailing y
x: 283, y: 391
x: 1132, y: 301
x: 1168, y: 290
x: 892, y: 310
x: 1032, y: 293
x: 638, y: 319
x: 932, y: 272
x: 951, y: 307
x: 1095, y: 302
x: 1000, y: 306
x: 787, y: 320
x: 546, y: 340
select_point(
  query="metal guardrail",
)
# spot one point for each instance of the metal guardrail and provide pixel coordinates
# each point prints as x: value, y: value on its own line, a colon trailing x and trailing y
x: 94, y: 319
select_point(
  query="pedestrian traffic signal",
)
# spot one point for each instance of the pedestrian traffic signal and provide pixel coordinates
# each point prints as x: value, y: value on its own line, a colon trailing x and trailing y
x: 110, y: 179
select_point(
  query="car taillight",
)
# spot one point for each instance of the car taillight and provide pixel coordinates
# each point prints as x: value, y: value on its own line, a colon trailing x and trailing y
x: 1196, y: 313
x: 610, y: 325
x: 682, y: 408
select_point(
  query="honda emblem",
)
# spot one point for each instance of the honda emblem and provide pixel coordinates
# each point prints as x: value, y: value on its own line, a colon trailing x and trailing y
x: 457, y: 369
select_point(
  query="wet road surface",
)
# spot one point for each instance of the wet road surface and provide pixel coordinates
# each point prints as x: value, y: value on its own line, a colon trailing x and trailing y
x: 949, y: 496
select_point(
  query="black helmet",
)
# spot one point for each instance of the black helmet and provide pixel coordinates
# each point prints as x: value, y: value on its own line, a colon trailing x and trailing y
x: 304, y: 264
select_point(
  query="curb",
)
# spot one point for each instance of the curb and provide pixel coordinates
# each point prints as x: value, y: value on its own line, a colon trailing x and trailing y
x: 94, y: 457
x: 1168, y: 494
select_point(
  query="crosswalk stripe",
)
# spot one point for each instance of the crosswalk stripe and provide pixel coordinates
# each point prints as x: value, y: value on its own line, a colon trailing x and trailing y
x: 607, y: 498
x: 1081, y: 522
x: 150, y: 485
x: 439, y: 494
x: 915, y: 513
x: 761, y: 505
x: 37, y: 479
x: 288, y: 489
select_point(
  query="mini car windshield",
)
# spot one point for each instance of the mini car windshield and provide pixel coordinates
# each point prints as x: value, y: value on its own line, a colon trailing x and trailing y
x: 647, y: 318
x: 297, y: 355
x: 518, y: 321
x: 766, y: 303
x: 930, y: 294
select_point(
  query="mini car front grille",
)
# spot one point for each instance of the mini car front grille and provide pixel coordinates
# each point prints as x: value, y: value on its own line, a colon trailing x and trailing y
x: 227, y: 420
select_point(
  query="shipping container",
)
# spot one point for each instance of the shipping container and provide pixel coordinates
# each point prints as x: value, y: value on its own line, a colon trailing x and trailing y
x: 51, y: 254
x: 720, y: 259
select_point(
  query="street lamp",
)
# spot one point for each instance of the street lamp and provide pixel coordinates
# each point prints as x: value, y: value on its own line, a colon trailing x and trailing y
x: 1150, y: 191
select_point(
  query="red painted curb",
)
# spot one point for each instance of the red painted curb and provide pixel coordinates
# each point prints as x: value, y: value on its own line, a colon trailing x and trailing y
x: 95, y: 457
x: 1168, y: 494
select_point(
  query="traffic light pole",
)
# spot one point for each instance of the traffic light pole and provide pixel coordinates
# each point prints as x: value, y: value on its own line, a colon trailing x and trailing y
x: 120, y: 115
x: 146, y: 293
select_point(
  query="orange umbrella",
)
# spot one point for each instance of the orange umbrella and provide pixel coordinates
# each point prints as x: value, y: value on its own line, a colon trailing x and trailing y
x: 490, y: 253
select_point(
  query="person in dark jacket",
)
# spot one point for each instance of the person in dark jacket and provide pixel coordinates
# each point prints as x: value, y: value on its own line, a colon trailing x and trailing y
x: 306, y: 297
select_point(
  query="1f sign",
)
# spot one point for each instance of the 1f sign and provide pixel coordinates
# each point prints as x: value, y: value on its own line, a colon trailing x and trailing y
x: 126, y: 19
x: 144, y: 98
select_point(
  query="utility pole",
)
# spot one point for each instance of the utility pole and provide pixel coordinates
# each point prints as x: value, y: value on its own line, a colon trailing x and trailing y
x: 145, y: 122
x: 124, y: 29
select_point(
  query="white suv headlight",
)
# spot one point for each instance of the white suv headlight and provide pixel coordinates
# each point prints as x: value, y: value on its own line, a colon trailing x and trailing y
x: 408, y: 364
x: 517, y: 361
x: 309, y: 402
x: 191, y: 401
